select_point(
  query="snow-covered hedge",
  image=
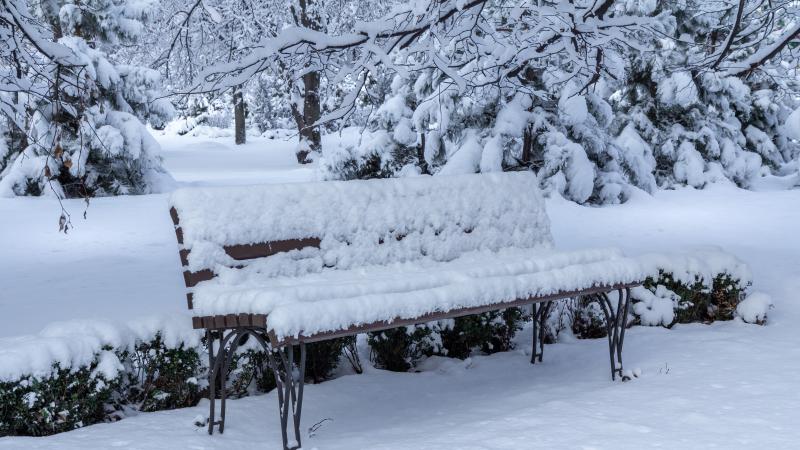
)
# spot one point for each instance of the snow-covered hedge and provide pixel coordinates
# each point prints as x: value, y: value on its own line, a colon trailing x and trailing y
x: 700, y: 286
x: 79, y: 373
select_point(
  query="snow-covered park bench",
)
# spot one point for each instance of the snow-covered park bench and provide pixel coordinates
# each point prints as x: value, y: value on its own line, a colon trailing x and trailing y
x: 293, y: 264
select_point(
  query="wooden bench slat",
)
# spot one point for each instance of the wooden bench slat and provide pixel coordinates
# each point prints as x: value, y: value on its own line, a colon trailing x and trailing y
x: 229, y: 321
x: 173, y: 213
x: 264, y: 249
x: 192, y: 278
x: 259, y: 320
x: 184, y: 254
x: 219, y: 321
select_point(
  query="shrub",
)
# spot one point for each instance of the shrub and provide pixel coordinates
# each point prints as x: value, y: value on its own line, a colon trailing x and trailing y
x: 701, y: 303
x: 158, y: 378
x: 398, y: 349
x: 322, y: 358
x: 588, y: 320
x: 249, y: 373
x: 62, y: 401
x: 489, y: 332
x: 665, y: 301
x: 149, y: 376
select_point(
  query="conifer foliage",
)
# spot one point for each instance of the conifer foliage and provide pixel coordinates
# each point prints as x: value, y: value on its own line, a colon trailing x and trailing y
x: 83, y: 131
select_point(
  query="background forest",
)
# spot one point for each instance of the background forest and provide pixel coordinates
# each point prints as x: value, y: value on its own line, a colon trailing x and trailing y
x: 597, y: 97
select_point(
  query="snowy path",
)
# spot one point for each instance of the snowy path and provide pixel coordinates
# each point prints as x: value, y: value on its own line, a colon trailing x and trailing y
x: 218, y: 162
x: 728, y: 385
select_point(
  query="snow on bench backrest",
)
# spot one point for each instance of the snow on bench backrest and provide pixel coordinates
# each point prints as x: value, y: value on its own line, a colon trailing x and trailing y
x: 357, y: 223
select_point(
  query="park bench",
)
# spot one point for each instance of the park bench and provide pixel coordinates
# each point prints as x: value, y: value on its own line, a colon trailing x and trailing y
x: 293, y: 264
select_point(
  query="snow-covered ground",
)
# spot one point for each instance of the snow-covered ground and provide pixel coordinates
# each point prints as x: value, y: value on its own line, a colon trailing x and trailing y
x: 727, y: 385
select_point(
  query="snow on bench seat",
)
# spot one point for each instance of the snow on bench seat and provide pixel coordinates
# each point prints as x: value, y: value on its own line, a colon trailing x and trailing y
x: 333, y: 300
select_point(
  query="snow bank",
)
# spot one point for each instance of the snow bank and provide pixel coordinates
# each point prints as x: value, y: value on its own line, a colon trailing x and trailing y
x: 77, y: 343
x: 754, y: 308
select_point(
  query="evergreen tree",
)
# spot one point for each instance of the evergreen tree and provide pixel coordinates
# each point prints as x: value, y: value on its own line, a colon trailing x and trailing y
x: 699, y: 122
x: 86, y: 137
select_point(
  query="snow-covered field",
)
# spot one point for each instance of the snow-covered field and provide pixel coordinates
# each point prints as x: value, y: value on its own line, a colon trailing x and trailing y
x: 727, y: 385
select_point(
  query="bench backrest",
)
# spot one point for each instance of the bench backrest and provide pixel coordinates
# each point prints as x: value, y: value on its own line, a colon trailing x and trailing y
x: 292, y: 229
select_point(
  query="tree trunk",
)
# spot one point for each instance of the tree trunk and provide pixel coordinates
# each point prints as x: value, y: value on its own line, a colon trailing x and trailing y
x: 311, y: 111
x: 527, y: 147
x: 238, y: 116
x: 310, y: 135
x: 17, y: 133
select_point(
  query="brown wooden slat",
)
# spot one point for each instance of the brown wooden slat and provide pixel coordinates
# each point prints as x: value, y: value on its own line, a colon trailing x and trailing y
x: 219, y: 321
x: 264, y: 249
x: 179, y: 235
x: 190, y: 300
x: 400, y: 322
x: 184, y: 254
x: 231, y: 321
x: 174, y: 214
x: 259, y: 320
x: 192, y: 278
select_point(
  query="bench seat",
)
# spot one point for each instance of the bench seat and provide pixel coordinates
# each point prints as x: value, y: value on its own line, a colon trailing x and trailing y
x: 334, y: 300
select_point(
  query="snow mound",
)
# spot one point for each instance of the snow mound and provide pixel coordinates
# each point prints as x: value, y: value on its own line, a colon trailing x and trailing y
x: 754, y: 308
x: 655, y: 308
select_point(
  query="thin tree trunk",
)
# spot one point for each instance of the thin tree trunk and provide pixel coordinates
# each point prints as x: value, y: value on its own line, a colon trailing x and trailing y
x: 238, y: 116
x: 310, y: 135
x: 527, y: 146
x: 311, y: 111
x: 18, y: 133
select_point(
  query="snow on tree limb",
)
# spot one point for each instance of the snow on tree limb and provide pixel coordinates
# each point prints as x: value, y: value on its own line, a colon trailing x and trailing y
x: 471, y: 44
x: 766, y: 53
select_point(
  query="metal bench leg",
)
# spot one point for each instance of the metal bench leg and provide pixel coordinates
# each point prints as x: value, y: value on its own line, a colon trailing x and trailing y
x: 290, y: 393
x: 540, y: 314
x: 212, y: 380
x: 616, y: 322
x: 219, y: 362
